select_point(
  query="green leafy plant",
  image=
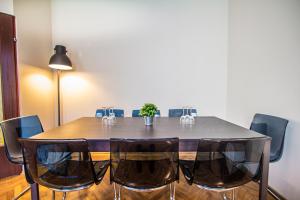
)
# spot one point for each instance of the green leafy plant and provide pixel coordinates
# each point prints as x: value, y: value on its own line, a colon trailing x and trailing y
x: 148, y: 110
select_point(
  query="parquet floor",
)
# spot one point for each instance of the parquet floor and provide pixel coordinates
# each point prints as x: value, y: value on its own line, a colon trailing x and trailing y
x: 9, y: 187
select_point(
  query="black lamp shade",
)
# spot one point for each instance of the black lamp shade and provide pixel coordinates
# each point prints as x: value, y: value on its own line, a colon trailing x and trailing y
x: 60, y: 60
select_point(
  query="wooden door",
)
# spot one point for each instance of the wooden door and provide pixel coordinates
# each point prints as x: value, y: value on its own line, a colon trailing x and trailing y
x: 9, y: 84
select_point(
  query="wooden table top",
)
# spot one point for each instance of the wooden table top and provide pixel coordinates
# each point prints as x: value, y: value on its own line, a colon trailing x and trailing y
x: 92, y: 128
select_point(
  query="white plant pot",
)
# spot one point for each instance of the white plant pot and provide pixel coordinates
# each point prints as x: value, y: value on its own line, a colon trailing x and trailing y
x: 148, y: 121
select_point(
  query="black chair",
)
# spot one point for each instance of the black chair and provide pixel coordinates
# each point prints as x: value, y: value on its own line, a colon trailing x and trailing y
x: 274, y: 127
x: 13, y: 129
x: 178, y: 112
x: 144, y: 165
x: 224, y: 165
x: 61, y: 165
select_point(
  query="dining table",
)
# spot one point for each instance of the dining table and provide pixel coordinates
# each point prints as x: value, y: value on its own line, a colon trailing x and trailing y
x: 98, y: 133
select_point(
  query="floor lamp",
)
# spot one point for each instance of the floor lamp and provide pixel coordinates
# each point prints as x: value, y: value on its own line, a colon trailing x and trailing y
x: 59, y: 61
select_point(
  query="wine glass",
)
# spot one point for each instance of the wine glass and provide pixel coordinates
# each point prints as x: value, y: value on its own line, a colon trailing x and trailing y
x: 108, y: 113
x: 105, y: 117
x: 191, y: 116
x: 112, y: 115
x: 183, y: 116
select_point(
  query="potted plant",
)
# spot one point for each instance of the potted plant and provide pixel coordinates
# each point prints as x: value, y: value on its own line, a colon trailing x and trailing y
x: 148, y: 111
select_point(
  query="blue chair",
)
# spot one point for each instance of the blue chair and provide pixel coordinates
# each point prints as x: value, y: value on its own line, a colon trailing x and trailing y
x: 179, y: 112
x: 103, y: 112
x: 274, y: 127
x: 136, y: 113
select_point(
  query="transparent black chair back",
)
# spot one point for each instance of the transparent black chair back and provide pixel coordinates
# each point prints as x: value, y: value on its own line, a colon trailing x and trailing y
x: 227, y: 164
x: 58, y: 164
x: 274, y: 127
x: 13, y: 129
x: 144, y: 164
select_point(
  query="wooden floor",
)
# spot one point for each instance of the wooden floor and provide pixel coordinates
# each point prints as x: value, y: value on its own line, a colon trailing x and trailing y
x: 104, y: 191
x: 10, y: 187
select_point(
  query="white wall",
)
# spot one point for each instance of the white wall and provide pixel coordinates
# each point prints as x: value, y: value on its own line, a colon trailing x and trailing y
x: 6, y: 6
x: 37, y: 94
x: 33, y: 20
x: 34, y: 45
x: 264, y: 76
x: 126, y: 53
x: 130, y: 52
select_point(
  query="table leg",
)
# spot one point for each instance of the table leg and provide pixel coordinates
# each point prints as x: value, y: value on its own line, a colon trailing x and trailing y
x: 35, y: 192
x: 263, y: 186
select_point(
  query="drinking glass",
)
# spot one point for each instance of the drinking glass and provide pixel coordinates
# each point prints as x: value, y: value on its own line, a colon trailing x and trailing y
x: 190, y: 116
x: 183, y: 117
x: 112, y: 114
x: 105, y: 117
x: 187, y: 116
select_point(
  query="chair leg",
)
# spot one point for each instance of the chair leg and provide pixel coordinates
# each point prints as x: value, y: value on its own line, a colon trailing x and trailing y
x: 117, y: 191
x: 172, y: 191
x: 225, y: 197
x: 64, y: 196
x: 53, y: 195
x: 22, y: 193
x: 234, y: 194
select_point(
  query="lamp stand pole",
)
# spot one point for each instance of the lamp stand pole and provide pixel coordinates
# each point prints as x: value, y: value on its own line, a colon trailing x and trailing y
x: 58, y: 97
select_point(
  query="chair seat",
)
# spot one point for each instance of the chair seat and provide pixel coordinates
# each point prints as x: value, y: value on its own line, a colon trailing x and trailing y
x: 214, y: 174
x: 134, y: 171
x: 72, y: 175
